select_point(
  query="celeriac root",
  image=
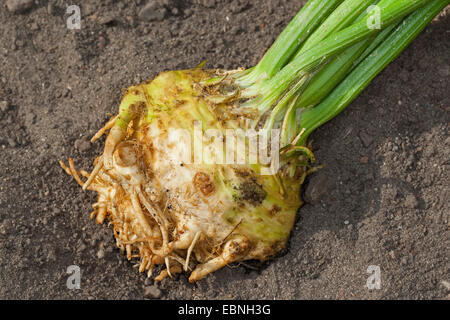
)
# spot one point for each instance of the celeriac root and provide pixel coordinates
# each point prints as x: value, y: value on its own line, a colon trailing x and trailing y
x: 123, y: 203
x: 184, y: 216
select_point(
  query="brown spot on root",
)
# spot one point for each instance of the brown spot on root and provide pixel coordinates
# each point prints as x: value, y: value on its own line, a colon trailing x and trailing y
x: 138, y: 108
x: 237, y: 248
x: 203, y: 183
x: 274, y: 210
x: 252, y: 192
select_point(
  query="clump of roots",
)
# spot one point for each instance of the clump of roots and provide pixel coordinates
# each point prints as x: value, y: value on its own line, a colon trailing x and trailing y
x: 142, y: 225
x: 141, y: 229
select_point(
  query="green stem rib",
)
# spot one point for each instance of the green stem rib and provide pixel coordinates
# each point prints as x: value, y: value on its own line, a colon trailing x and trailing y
x: 332, y: 74
x: 297, y: 31
x: 341, y: 17
x: 375, y: 42
x: 373, y: 64
x: 310, y: 60
x: 322, y: 83
x: 319, y: 87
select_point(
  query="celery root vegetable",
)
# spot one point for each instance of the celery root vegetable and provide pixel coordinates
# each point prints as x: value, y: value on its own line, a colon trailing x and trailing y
x: 200, y: 216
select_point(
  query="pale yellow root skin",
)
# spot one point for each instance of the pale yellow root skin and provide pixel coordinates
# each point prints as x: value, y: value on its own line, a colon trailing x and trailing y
x: 116, y: 135
x: 233, y: 250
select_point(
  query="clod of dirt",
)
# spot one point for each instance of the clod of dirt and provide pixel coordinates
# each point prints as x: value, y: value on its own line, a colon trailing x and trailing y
x: 445, y: 70
x: 19, y: 6
x: 82, y: 145
x: 100, y: 253
x: 410, y: 161
x: 4, y: 106
x: 206, y: 3
x: 411, y: 201
x: 316, y: 189
x: 6, y: 226
x: 238, y: 6
x: 152, y: 292
x: 12, y: 143
x: 446, y: 284
x: 50, y: 9
x: 153, y: 11
x: 364, y: 160
x: 108, y: 20
x: 366, y: 139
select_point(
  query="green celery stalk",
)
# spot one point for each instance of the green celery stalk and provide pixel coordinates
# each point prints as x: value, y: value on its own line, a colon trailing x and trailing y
x: 340, y: 18
x: 332, y: 74
x: 373, y: 64
x: 273, y: 88
x: 297, y: 31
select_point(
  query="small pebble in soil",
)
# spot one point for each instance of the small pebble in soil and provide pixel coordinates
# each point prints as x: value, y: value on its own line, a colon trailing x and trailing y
x: 51, y: 9
x: 366, y: 138
x: 101, y: 42
x: 404, y: 261
x: 107, y: 20
x: 12, y: 143
x: 4, y: 106
x: 444, y: 71
x: 392, y: 255
x: 445, y: 284
x: 153, y: 11
x: 411, y: 201
x: 6, y: 226
x: 82, y: 145
x: 81, y: 248
x: 100, y: 253
x: 19, y: 6
x: 410, y: 161
x: 34, y: 26
x: 152, y: 292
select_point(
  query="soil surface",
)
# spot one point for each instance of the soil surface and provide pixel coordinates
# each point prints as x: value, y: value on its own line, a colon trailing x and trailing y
x: 382, y: 199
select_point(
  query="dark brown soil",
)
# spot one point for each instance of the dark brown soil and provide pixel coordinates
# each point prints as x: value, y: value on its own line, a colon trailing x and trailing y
x: 387, y: 156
